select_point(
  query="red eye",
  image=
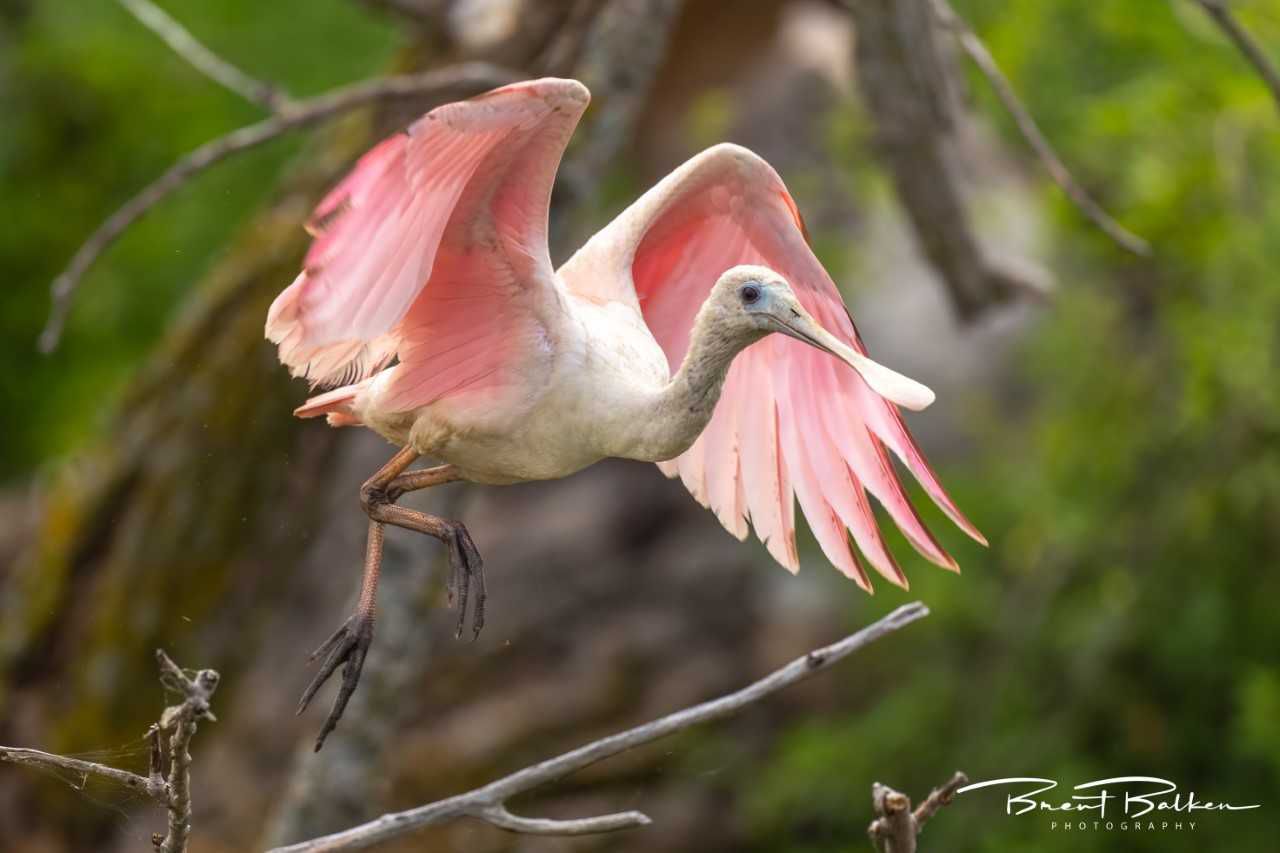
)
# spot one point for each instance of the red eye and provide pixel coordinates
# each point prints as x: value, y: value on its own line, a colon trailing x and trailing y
x: 750, y: 293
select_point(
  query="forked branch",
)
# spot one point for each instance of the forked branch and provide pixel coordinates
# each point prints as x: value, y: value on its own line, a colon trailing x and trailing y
x: 897, y: 827
x: 171, y: 790
x: 489, y: 802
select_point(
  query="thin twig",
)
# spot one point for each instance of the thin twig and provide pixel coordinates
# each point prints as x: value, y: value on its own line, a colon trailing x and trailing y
x: 84, y: 769
x: 940, y: 797
x: 896, y: 827
x: 470, y: 76
x: 503, y: 819
x: 981, y: 57
x: 203, y: 59
x: 488, y: 803
x: 1221, y: 14
x: 173, y: 793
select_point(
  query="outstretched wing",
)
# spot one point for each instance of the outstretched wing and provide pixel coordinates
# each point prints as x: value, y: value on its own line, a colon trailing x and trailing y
x: 434, y: 248
x: 791, y: 419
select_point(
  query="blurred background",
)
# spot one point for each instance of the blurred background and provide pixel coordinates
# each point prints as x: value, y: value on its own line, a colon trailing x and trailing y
x: 1118, y: 441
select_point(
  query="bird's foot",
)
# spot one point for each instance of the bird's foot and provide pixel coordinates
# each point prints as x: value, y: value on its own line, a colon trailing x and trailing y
x: 465, y: 566
x: 348, y: 646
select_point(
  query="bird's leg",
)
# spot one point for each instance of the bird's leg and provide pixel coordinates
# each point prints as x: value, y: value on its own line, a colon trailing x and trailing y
x: 464, y: 559
x: 350, y: 643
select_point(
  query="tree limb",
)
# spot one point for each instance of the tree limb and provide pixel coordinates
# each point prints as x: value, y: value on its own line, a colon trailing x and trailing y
x: 488, y: 803
x: 986, y: 63
x: 896, y: 827
x: 84, y: 769
x: 1221, y: 15
x: 203, y: 59
x: 180, y: 722
x: 472, y: 76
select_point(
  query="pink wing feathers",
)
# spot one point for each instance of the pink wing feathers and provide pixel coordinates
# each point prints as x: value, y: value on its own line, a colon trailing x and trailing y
x: 791, y: 420
x: 427, y: 248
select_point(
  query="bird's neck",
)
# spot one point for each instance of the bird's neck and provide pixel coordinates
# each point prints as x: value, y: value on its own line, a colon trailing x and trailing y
x: 681, y: 409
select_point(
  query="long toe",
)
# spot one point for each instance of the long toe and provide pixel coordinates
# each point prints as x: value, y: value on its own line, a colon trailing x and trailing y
x: 326, y: 648
x: 460, y: 580
x: 348, y: 647
x: 473, y: 568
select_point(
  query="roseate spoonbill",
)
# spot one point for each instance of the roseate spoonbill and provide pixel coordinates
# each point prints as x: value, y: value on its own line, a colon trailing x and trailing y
x: 428, y: 295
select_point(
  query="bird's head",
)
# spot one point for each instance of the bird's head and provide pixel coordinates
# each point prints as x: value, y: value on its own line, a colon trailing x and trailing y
x: 754, y: 301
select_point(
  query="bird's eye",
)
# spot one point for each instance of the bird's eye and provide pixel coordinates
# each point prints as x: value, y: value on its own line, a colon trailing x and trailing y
x: 750, y: 293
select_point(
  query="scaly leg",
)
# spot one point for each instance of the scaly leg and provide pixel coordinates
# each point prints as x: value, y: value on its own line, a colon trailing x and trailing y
x: 464, y: 559
x: 349, y: 645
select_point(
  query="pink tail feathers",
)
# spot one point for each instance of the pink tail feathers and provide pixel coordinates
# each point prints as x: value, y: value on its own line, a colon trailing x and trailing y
x: 336, y: 405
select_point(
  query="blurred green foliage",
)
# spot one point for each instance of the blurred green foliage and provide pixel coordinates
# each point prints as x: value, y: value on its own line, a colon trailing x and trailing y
x: 95, y: 107
x: 1124, y: 619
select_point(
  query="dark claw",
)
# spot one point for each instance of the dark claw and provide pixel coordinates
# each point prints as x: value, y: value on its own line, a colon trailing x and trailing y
x: 348, y: 645
x: 465, y: 563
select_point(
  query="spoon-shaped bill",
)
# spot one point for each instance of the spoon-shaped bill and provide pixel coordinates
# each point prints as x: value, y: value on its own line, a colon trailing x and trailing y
x: 890, y: 384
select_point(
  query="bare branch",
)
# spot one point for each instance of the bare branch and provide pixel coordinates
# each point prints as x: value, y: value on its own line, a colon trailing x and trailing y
x: 180, y: 720
x: 896, y: 827
x: 893, y: 830
x: 503, y: 819
x: 488, y: 803
x: 203, y: 59
x: 982, y: 58
x: 940, y: 797
x: 302, y: 114
x: 1221, y: 14
x: 84, y: 769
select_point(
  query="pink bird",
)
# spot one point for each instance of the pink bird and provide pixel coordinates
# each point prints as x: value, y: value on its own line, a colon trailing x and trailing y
x: 428, y: 295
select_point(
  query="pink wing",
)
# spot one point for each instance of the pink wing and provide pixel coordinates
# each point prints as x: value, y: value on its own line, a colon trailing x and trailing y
x: 791, y: 419
x: 434, y: 249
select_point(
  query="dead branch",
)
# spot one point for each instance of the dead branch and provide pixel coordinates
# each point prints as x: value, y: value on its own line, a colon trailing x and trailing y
x: 457, y: 80
x: 417, y: 12
x: 203, y: 59
x: 982, y: 58
x: 488, y: 803
x: 179, y: 722
x: 1219, y: 11
x: 896, y: 827
x: 83, y: 769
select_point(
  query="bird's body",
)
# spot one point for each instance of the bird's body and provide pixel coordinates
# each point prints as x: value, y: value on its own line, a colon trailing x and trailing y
x: 697, y: 330
x: 579, y: 399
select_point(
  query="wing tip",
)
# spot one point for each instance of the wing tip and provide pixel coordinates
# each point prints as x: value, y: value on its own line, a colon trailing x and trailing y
x: 556, y: 90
